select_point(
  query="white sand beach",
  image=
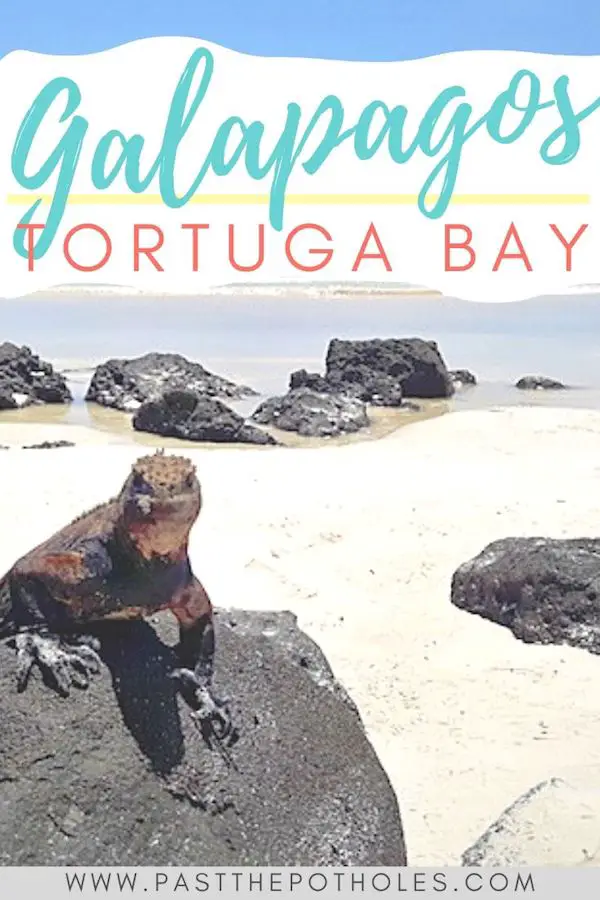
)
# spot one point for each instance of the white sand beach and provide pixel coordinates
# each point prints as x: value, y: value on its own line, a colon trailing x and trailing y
x: 361, y: 541
x: 16, y: 436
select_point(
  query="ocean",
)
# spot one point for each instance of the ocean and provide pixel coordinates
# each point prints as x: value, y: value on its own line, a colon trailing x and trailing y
x: 260, y: 340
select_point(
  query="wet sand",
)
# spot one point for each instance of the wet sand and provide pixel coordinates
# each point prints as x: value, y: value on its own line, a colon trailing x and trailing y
x: 73, y: 421
x: 110, y: 423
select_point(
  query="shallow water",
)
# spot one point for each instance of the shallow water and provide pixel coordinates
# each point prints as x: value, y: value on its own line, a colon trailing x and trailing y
x: 259, y: 341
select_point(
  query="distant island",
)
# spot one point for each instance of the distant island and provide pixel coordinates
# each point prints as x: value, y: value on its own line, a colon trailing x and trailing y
x: 591, y: 288
x: 327, y: 290
x: 309, y: 289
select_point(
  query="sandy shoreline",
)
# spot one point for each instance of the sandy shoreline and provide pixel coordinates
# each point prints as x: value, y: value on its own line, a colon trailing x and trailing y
x: 361, y: 541
x: 92, y: 423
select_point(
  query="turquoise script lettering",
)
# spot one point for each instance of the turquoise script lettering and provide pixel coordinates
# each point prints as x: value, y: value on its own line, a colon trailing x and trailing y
x: 441, y: 135
x: 64, y: 157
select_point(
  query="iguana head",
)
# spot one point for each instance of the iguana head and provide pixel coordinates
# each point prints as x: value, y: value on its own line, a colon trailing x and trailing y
x: 160, y: 501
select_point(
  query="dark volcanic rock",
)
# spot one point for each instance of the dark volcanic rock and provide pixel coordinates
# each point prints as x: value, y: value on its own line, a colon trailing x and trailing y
x: 185, y: 415
x: 547, y: 591
x: 312, y: 414
x: 26, y: 379
x: 311, y: 380
x: 380, y: 372
x: 126, y: 383
x: 539, y: 383
x: 462, y: 377
x: 48, y: 445
x: 382, y: 390
x: 386, y: 389
x: 383, y: 371
x: 119, y: 775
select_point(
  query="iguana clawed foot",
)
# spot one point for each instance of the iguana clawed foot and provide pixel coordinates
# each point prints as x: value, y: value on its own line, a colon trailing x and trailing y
x: 70, y: 663
x: 212, y: 713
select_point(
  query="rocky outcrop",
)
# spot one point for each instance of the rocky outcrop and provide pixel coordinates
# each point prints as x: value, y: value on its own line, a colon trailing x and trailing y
x: 380, y: 372
x: 539, y: 383
x: 554, y: 824
x: 185, y: 415
x: 127, y: 383
x: 27, y: 379
x: 383, y: 371
x: 382, y: 390
x: 313, y: 414
x: 119, y: 775
x: 462, y: 378
x: 547, y: 591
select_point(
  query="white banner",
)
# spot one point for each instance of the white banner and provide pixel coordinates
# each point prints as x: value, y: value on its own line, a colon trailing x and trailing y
x: 172, y: 164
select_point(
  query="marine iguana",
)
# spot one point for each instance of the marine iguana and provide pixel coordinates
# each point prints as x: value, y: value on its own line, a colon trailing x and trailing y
x: 125, y: 559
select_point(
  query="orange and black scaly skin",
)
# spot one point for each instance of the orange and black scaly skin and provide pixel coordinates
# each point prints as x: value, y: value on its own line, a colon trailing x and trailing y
x: 125, y: 559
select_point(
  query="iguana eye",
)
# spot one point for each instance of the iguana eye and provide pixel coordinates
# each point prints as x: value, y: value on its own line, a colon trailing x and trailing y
x: 140, y: 485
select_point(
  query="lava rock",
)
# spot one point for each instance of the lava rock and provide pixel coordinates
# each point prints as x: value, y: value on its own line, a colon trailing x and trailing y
x: 462, y: 378
x: 185, y: 415
x: 382, y: 372
x: 382, y: 390
x: 546, y: 590
x: 119, y: 774
x: 127, y: 383
x: 553, y: 824
x: 48, y: 445
x: 27, y: 379
x: 539, y: 383
x: 311, y: 380
x: 313, y: 414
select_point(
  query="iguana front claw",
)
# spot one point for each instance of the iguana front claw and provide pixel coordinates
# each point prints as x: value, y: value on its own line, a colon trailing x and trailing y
x: 208, y: 709
x: 69, y: 663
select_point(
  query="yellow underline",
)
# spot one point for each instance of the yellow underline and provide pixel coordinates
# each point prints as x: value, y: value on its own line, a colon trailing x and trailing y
x: 102, y: 199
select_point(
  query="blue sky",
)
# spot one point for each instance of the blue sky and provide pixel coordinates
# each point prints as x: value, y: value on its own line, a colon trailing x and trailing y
x: 341, y: 29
